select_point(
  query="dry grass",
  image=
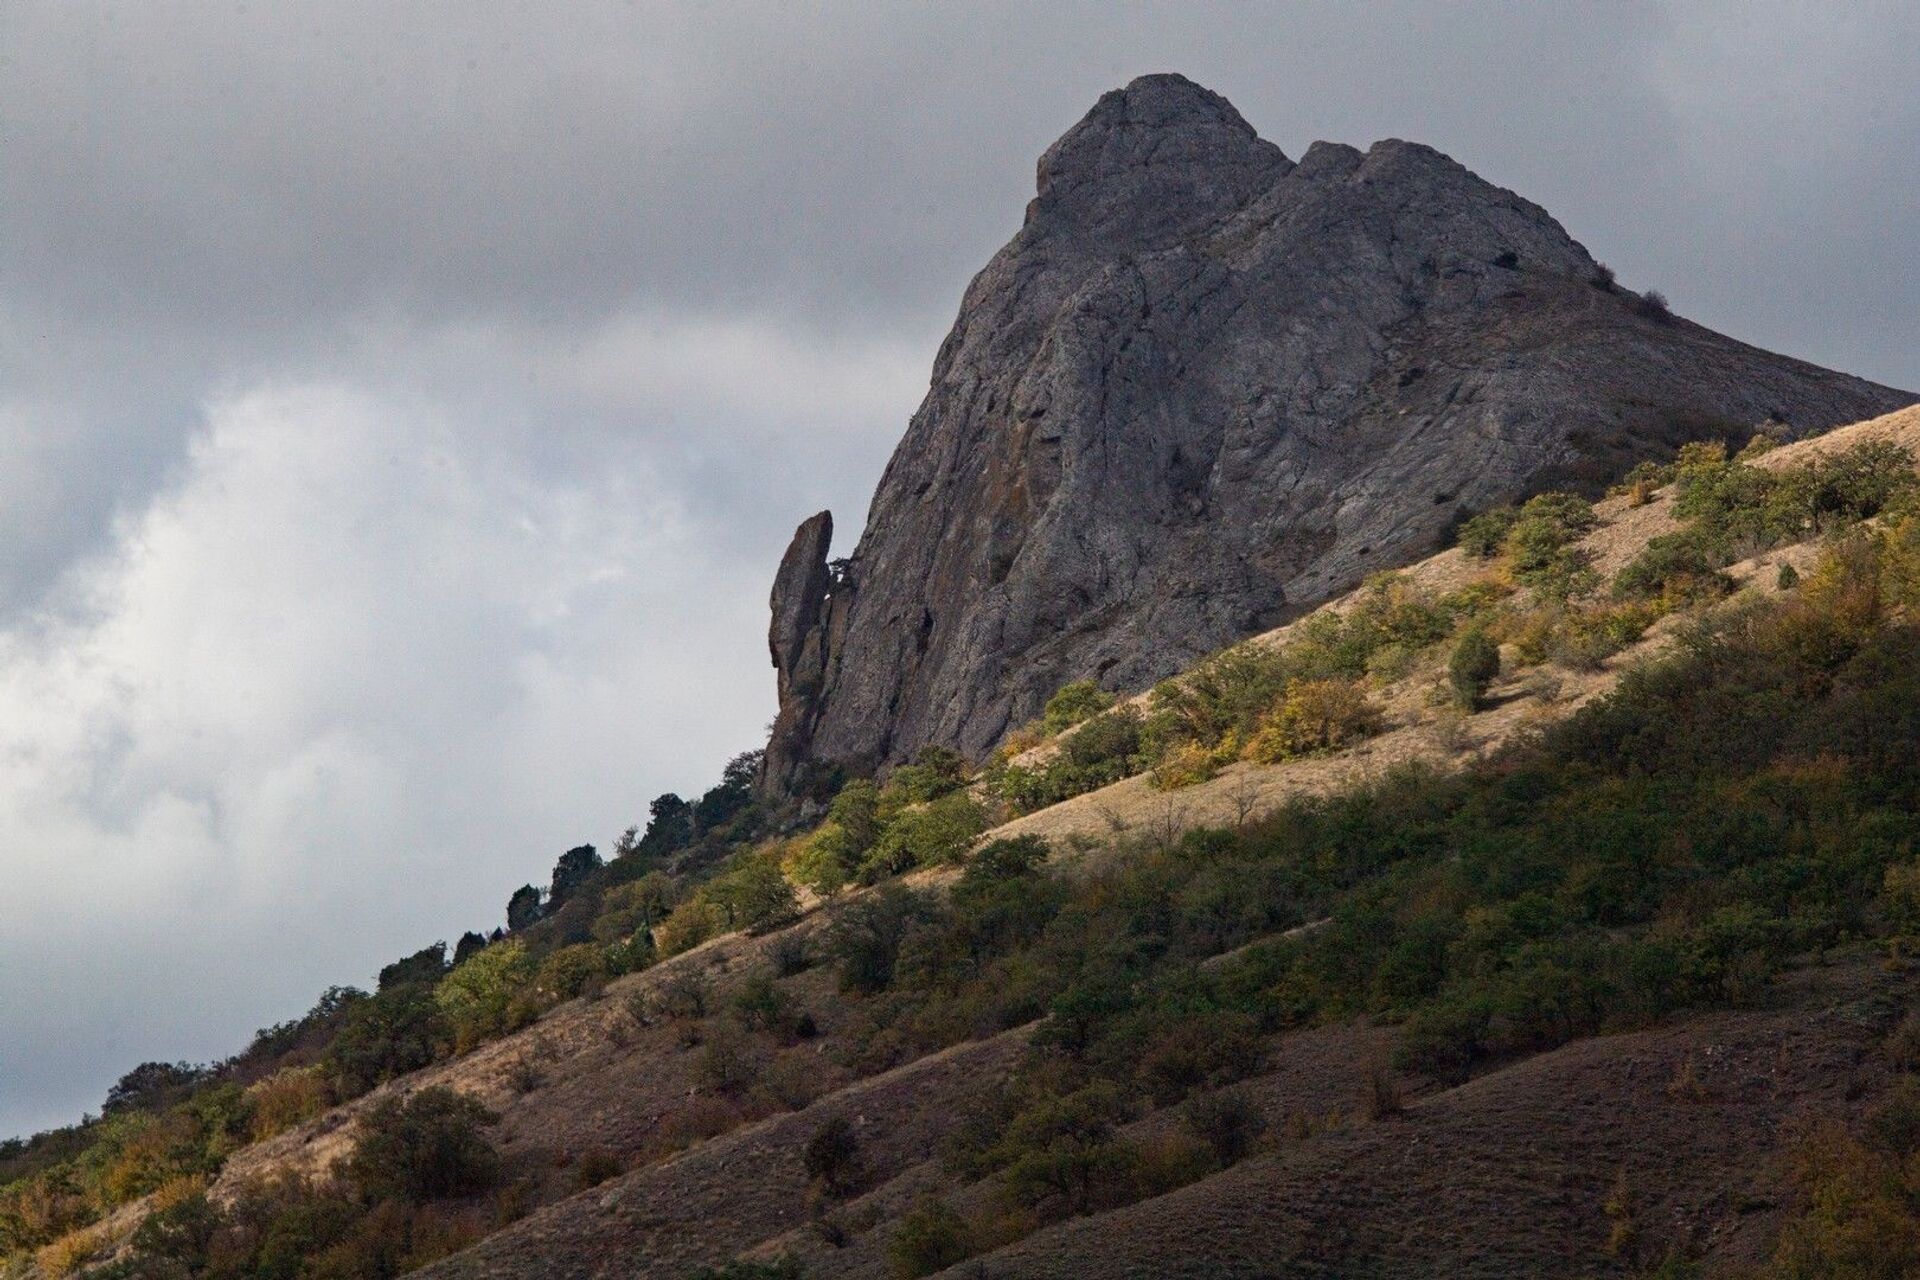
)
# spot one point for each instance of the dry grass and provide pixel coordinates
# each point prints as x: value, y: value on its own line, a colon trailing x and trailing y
x: 1505, y: 1175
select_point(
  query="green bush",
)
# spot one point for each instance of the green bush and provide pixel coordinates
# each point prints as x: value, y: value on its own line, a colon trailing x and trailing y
x: 931, y: 1237
x: 1483, y: 535
x: 866, y: 937
x: 429, y: 1146
x: 1081, y: 700
x: 1473, y: 666
x: 483, y: 998
x: 939, y: 831
x: 935, y: 772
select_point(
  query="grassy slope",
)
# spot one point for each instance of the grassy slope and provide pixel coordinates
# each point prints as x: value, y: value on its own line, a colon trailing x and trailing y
x: 1479, y: 1179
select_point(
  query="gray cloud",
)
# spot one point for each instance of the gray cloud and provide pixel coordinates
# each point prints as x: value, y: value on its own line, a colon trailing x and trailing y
x: 403, y: 406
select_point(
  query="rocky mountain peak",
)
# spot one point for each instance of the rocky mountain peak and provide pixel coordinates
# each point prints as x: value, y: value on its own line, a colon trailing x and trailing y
x: 1204, y: 388
x: 1152, y: 162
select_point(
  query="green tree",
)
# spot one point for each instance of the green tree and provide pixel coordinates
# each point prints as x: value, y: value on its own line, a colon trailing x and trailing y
x: 477, y: 999
x: 425, y: 1147
x: 1073, y: 703
x: 571, y: 871
x: 383, y: 1036
x: 523, y: 908
x: 931, y: 1237
x: 1473, y: 666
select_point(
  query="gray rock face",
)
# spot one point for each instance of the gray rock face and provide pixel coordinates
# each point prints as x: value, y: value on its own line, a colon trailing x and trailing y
x: 1205, y: 387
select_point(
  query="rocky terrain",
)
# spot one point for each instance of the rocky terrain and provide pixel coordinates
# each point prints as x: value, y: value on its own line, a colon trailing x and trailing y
x: 1600, y: 1156
x: 1205, y: 387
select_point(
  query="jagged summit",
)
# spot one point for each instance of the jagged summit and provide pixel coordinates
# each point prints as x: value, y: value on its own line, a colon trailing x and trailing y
x: 1204, y: 387
x: 1151, y: 163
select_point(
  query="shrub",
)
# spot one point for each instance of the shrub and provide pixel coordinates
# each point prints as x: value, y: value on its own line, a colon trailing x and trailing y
x: 935, y: 772
x: 762, y: 1006
x: 1081, y: 700
x: 480, y: 999
x: 683, y: 995
x: 568, y: 972
x: 940, y: 831
x: 1006, y: 859
x: 1583, y: 639
x: 180, y: 1231
x: 754, y: 894
x: 1482, y: 536
x: 284, y: 1099
x: 1674, y: 568
x: 1062, y: 1150
x: 832, y: 1157
x: 823, y: 861
x: 1185, y: 764
x: 425, y: 1147
x: 391, y: 1034
x: 1539, y: 545
x: 867, y: 936
x: 1444, y: 1040
x: 931, y: 1237
x: 1227, y: 1122
x: 1314, y: 716
x: 793, y: 1079
x: 791, y: 953
x: 1381, y: 1096
x: 596, y: 1167
x: 68, y: 1254
x: 1473, y: 666
x: 1900, y: 897
x: 784, y: 1267
x: 727, y: 1063
x: 1653, y: 304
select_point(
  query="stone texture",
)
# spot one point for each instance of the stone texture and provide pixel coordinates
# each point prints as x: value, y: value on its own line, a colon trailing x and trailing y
x: 1204, y: 387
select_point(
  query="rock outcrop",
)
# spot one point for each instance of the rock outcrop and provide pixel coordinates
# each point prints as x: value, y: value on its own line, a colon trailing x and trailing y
x: 1204, y: 387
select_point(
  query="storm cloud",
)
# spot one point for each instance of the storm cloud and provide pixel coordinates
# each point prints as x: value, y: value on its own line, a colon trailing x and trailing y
x: 403, y: 407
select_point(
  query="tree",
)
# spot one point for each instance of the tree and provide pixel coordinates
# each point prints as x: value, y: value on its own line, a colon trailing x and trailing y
x: 425, y: 1147
x: 470, y: 945
x: 1475, y: 663
x: 856, y: 812
x: 1227, y: 1121
x: 572, y: 870
x: 669, y: 827
x: 477, y: 999
x: 523, y: 908
x: 382, y: 1037
x: 731, y: 796
x: 931, y: 1237
x: 754, y: 895
x: 940, y: 831
x: 1073, y: 703
x: 428, y: 965
x: 867, y: 936
x: 833, y: 1156
x: 152, y: 1086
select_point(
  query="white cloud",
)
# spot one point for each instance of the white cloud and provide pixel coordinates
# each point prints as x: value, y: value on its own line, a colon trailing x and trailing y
x: 337, y: 690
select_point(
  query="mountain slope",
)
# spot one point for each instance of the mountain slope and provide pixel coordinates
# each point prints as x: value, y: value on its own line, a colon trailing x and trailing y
x: 1534, y: 1146
x: 1204, y: 387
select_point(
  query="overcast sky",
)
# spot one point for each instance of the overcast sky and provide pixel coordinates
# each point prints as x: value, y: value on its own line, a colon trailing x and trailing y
x: 403, y: 406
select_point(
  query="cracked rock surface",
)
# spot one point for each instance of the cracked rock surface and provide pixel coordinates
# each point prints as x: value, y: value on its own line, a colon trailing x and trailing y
x: 1205, y: 387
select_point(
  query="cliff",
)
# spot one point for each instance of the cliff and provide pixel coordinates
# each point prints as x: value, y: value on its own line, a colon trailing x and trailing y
x: 1206, y: 386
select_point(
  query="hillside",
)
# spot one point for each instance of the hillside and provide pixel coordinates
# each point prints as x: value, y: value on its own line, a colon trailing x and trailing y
x: 1603, y: 971
x: 1206, y: 387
